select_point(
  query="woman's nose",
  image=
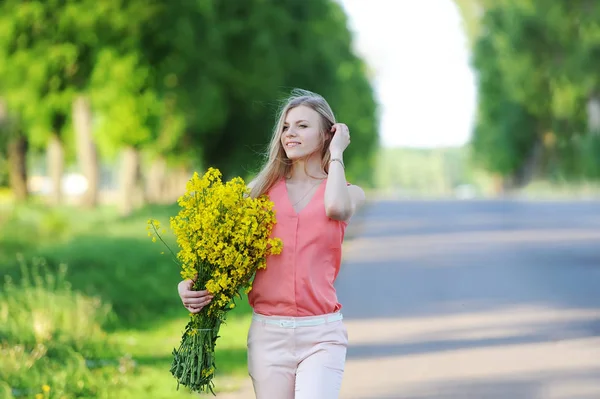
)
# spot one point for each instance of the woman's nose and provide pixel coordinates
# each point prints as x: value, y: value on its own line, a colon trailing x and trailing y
x: 290, y: 131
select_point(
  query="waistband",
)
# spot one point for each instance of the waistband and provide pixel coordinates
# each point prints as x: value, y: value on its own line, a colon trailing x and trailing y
x: 302, y: 321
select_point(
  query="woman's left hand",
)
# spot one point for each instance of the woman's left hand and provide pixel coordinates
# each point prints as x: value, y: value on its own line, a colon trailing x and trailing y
x: 341, y: 138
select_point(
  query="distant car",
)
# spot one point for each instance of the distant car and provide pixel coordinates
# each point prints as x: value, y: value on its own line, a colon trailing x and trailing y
x: 465, y: 191
x: 73, y: 184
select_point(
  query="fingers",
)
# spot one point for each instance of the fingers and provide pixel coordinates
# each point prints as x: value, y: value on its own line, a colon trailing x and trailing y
x: 340, y: 127
x: 194, y: 301
x: 185, y: 290
x: 197, y: 301
x: 195, y: 307
x: 195, y: 294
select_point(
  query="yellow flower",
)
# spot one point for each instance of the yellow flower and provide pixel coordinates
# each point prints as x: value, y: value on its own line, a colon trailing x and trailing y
x: 223, y: 238
x: 45, y: 388
x: 39, y: 396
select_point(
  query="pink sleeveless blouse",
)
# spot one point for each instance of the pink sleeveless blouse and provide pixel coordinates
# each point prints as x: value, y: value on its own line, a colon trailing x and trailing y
x: 300, y: 280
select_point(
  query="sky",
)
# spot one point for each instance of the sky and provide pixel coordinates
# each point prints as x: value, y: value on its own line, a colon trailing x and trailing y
x: 423, y: 82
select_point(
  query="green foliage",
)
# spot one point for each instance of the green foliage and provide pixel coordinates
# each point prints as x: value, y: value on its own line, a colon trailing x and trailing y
x: 40, y: 299
x: 536, y: 67
x: 90, y: 242
x: 3, y: 171
x: 52, y: 336
x: 126, y: 108
x: 24, y: 226
x: 428, y: 172
x: 195, y: 82
x: 110, y: 261
x: 39, y: 62
x: 505, y: 131
x: 588, y: 147
x: 469, y: 10
x: 306, y: 45
x: 95, y: 350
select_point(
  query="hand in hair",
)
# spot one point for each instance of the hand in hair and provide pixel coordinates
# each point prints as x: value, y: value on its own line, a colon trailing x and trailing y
x: 341, y: 139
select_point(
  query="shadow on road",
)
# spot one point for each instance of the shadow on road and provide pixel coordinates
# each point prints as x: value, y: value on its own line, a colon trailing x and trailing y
x: 534, y: 333
x: 473, y: 300
x: 582, y: 384
x: 447, y: 257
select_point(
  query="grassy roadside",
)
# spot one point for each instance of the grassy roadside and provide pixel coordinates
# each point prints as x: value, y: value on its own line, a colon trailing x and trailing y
x: 93, y: 310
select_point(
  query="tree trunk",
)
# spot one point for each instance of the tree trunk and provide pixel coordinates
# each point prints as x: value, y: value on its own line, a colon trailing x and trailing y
x: 130, y: 177
x: 531, y: 168
x: 56, y: 166
x: 156, y: 181
x: 87, y: 155
x: 176, y: 183
x: 593, y: 113
x: 17, y: 163
x: 3, y: 112
x: 498, y: 185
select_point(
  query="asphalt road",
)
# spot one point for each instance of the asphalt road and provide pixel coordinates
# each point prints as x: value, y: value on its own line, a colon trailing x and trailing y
x: 473, y: 299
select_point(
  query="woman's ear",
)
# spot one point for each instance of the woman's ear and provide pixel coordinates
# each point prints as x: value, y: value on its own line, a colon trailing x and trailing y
x: 329, y: 133
x: 328, y: 136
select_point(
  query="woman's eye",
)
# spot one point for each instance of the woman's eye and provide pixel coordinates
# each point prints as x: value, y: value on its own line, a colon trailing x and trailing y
x: 303, y: 126
x: 285, y: 128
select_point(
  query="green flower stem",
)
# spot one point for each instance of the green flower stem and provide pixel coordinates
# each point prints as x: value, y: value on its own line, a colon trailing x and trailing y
x: 194, y: 361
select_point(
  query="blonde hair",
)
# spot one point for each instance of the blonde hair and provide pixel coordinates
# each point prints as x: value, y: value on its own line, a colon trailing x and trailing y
x: 277, y: 164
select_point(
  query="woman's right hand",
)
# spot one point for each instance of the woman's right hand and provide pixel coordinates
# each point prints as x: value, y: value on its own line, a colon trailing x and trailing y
x: 193, y: 301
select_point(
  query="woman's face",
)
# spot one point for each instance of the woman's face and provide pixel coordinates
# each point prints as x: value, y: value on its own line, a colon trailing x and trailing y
x: 301, y: 136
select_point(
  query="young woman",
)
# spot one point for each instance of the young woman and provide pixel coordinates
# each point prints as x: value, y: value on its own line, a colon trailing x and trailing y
x: 297, y: 341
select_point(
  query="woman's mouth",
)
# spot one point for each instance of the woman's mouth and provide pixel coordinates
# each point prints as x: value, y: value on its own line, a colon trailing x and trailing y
x: 292, y: 144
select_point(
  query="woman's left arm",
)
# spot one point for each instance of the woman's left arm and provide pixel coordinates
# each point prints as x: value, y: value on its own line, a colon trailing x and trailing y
x: 341, y: 200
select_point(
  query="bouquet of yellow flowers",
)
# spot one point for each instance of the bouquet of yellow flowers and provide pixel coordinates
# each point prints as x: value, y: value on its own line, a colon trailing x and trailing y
x: 224, y: 238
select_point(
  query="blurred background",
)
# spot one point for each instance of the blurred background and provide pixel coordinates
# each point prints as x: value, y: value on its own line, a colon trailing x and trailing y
x: 475, y: 132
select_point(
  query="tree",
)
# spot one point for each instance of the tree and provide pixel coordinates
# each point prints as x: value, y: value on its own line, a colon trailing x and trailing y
x: 47, y: 53
x: 471, y: 12
x: 14, y: 144
x: 182, y: 86
x: 535, y: 63
x: 505, y: 132
x: 308, y: 45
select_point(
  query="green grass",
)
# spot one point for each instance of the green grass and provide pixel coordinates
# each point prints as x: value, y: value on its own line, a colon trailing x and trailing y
x: 49, y: 336
x: 152, y: 351
x: 101, y: 270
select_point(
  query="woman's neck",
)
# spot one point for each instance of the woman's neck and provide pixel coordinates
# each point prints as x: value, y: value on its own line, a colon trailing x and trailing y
x: 307, y: 170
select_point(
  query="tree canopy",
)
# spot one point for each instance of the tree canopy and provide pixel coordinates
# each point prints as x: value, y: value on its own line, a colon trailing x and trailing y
x: 194, y: 82
x: 538, y: 88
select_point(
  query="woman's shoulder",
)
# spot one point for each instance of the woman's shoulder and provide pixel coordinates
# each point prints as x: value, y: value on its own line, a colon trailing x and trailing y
x: 357, y: 194
x: 356, y: 189
x: 269, y: 191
